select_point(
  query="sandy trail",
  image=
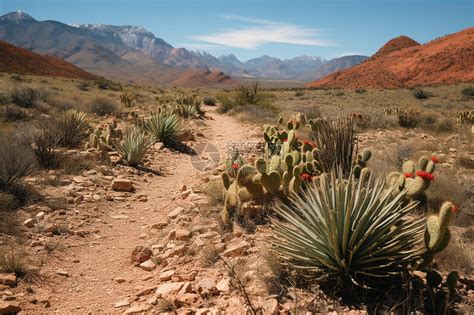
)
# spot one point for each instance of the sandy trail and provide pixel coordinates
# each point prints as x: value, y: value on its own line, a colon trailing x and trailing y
x: 97, y: 261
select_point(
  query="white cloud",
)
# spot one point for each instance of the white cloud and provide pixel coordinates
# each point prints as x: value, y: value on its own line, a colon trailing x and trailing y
x: 264, y: 32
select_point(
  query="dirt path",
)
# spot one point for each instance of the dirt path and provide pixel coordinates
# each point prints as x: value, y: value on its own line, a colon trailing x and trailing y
x: 101, y: 259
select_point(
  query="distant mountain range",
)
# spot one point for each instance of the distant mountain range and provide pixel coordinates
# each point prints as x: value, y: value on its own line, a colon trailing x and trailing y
x: 403, y: 62
x: 133, y: 54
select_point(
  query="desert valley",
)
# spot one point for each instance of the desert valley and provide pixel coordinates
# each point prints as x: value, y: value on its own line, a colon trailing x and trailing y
x: 141, y: 178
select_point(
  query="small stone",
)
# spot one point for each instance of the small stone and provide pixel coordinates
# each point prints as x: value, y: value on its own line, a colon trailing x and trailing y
x: 9, y: 307
x: 40, y: 215
x: 183, y: 188
x: 122, y: 184
x: 223, y: 285
x: 63, y: 273
x: 140, y: 254
x: 138, y: 309
x: 148, y: 265
x: 122, y: 303
x: 166, y: 275
x: 159, y: 225
x: 237, y: 250
x: 8, y: 279
x: 185, y: 194
x: 78, y: 199
x: 168, y: 288
x: 452, y: 150
x: 270, y: 307
x: 182, y: 234
x: 120, y: 280
x: 29, y: 223
x: 174, y: 214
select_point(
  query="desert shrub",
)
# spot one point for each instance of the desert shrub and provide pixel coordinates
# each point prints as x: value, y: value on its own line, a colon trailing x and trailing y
x: 16, y: 160
x: 245, y: 95
x: 105, y: 84
x: 164, y: 126
x: 468, y: 92
x: 299, y: 94
x: 12, y: 113
x: 103, y: 106
x: 133, y: 146
x: 336, y: 141
x: 13, y: 260
x: 408, y: 119
x: 5, y: 99
x: 444, y: 124
x: 429, y: 119
x: 253, y: 113
x: 209, y: 101
x: 85, y: 85
x: 45, y: 141
x: 72, y: 127
x: 360, y: 245
x: 75, y: 164
x: 360, y: 91
x: 420, y: 94
x: 63, y: 103
x: 465, y: 161
x: 24, y: 96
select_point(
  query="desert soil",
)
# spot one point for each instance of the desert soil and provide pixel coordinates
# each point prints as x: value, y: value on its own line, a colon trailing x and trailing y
x: 94, y: 266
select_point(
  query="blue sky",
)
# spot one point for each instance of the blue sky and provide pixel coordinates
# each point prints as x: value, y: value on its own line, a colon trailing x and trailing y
x: 252, y: 28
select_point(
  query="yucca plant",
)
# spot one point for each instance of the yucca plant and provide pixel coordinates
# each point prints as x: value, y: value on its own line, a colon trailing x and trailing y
x: 133, y: 146
x: 349, y: 229
x: 72, y: 126
x: 164, y: 126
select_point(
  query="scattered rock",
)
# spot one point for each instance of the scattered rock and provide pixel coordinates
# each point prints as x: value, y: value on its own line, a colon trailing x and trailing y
x: 140, y: 254
x: 237, y: 250
x: 223, y: 285
x: 138, y: 309
x: 166, y: 275
x: 182, y: 234
x: 122, y: 303
x: 9, y: 307
x: 168, y: 288
x: 148, y: 265
x: 63, y: 273
x: 8, y: 279
x: 122, y: 184
x: 29, y: 223
x: 174, y: 214
x: 270, y: 307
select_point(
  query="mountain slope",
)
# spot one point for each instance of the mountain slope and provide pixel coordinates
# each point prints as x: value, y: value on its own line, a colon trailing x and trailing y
x: 18, y: 60
x: 404, y: 63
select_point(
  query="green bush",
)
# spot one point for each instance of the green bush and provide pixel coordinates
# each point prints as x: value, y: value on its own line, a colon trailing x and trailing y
x: 105, y: 84
x: 350, y: 230
x: 133, y: 146
x: 103, y: 106
x: 45, y: 141
x: 165, y: 127
x: 72, y: 127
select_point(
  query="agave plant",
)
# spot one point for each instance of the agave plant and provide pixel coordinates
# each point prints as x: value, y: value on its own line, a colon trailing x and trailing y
x: 164, y: 126
x: 349, y: 229
x: 133, y: 146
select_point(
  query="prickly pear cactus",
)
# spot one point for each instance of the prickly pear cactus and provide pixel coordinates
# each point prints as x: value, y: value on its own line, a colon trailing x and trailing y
x: 416, y: 180
x: 437, y: 234
x: 102, y: 138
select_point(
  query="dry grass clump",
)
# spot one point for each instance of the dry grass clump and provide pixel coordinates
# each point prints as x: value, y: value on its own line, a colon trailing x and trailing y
x: 103, y: 106
x: 209, y: 255
x: 25, y: 96
x: 253, y: 114
x: 215, y: 190
x: 16, y: 160
x: 12, y: 113
x: 13, y: 260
